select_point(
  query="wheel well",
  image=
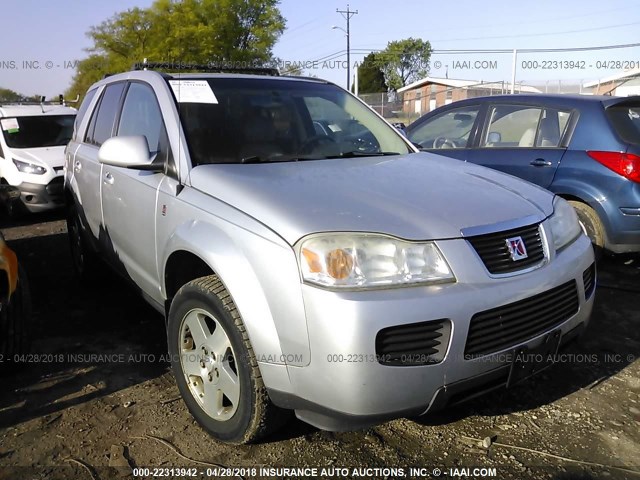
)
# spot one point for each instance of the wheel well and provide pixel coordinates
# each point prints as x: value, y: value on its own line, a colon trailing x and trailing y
x: 571, y: 198
x: 182, y: 267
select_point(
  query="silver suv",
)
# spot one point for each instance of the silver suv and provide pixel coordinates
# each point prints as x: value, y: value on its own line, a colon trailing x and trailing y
x: 308, y: 258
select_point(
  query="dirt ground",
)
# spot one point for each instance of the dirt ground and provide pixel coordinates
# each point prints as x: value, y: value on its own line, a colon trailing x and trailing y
x: 96, y: 398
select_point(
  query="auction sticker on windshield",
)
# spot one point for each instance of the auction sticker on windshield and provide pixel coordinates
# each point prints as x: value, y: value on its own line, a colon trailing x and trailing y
x: 193, y: 91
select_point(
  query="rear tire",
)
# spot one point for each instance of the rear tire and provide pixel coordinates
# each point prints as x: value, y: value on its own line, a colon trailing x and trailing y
x: 85, y: 262
x: 215, y: 367
x: 15, y: 324
x: 592, y: 226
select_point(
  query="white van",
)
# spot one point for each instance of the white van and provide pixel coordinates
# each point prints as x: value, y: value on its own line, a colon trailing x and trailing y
x: 32, y: 152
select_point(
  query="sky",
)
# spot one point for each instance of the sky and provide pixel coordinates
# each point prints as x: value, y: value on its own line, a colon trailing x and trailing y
x: 40, y: 40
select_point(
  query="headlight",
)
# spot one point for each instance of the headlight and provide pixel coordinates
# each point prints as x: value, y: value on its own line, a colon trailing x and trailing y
x: 360, y: 260
x: 565, y: 227
x: 26, y: 167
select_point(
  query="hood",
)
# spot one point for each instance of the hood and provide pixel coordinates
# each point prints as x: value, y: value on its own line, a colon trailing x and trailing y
x: 50, y: 156
x: 420, y: 196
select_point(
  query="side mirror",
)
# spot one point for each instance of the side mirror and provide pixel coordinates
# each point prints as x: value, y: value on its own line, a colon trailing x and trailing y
x: 128, y: 152
x: 401, y: 127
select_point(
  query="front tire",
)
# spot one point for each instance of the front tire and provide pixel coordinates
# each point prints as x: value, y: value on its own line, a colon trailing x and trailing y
x: 214, y: 364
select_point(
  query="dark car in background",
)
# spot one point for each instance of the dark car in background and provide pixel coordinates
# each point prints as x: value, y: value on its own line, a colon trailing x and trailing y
x: 583, y: 148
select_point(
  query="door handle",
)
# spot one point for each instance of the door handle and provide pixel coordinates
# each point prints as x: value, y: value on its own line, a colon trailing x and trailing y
x: 108, y: 178
x: 540, y: 162
x: 77, y: 166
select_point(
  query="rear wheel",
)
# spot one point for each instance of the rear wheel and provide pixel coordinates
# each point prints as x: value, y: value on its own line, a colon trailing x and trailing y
x: 214, y: 364
x: 591, y: 224
x: 85, y: 262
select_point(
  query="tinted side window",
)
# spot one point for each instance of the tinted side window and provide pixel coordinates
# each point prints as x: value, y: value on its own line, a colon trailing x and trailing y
x: 141, y: 115
x: 83, y: 109
x: 447, y: 130
x: 1, y: 153
x: 104, y: 117
x: 512, y: 126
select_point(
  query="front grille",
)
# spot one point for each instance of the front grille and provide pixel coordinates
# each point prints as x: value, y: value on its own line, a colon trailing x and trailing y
x: 509, y: 325
x: 492, y: 249
x: 589, y: 279
x: 413, y: 344
x: 56, y: 186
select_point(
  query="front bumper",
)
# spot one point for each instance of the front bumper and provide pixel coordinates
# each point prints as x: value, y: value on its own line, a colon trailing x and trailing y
x: 39, y: 197
x: 346, y: 387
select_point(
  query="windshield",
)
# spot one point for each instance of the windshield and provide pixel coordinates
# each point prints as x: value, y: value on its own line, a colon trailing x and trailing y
x: 267, y: 120
x: 37, y: 131
x: 626, y: 120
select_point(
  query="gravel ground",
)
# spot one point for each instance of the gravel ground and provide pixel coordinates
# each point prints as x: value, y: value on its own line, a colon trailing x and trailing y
x: 96, y: 398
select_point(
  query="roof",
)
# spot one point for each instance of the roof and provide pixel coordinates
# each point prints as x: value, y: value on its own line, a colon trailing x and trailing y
x: 629, y: 73
x: 449, y: 82
x: 17, y: 110
x: 147, y: 75
x: 458, y: 83
x: 559, y: 99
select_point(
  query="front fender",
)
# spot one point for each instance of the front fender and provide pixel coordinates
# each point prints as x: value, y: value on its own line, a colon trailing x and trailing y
x: 261, y: 274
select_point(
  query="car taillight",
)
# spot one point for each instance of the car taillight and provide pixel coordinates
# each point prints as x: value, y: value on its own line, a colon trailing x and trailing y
x: 625, y: 164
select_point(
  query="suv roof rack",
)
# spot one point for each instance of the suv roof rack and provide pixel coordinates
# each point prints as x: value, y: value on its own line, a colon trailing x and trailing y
x: 212, y: 67
x: 60, y: 101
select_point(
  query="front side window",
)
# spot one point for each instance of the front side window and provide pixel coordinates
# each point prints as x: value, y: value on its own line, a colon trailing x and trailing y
x: 269, y: 120
x: 141, y: 115
x: 450, y: 129
x: 37, y: 131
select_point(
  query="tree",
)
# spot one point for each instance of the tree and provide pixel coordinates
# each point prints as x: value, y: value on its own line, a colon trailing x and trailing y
x: 212, y: 32
x: 370, y: 75
x: 405, y: 61
x: 7, y: 95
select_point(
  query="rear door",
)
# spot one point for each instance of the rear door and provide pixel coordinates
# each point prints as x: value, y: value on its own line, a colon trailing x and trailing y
x: 129, y: 196
x: 86, y: 168
x: 449, y: 132
x: 527, y: 141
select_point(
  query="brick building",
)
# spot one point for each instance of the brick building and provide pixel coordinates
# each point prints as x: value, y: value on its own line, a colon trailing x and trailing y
x: 431, y: 92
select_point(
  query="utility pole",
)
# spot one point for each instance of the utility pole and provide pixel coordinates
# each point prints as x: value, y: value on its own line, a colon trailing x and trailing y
x: 347, y: 14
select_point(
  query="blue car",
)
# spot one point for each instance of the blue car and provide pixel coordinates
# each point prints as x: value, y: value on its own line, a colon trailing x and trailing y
x: 583, y: 148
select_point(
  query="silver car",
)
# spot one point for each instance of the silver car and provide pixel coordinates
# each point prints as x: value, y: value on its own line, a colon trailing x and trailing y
x: 308, y: 258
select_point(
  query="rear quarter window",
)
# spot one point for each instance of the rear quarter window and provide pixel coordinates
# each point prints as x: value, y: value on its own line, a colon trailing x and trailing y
x: 625, y: 120
x: 83, y: 109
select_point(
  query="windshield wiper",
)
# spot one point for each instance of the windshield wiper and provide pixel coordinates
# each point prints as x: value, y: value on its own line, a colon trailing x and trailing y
x: 356, y: 153
x: 352, y: 154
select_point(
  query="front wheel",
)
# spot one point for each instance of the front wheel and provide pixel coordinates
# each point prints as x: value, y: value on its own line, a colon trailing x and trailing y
x: 214, y: 364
